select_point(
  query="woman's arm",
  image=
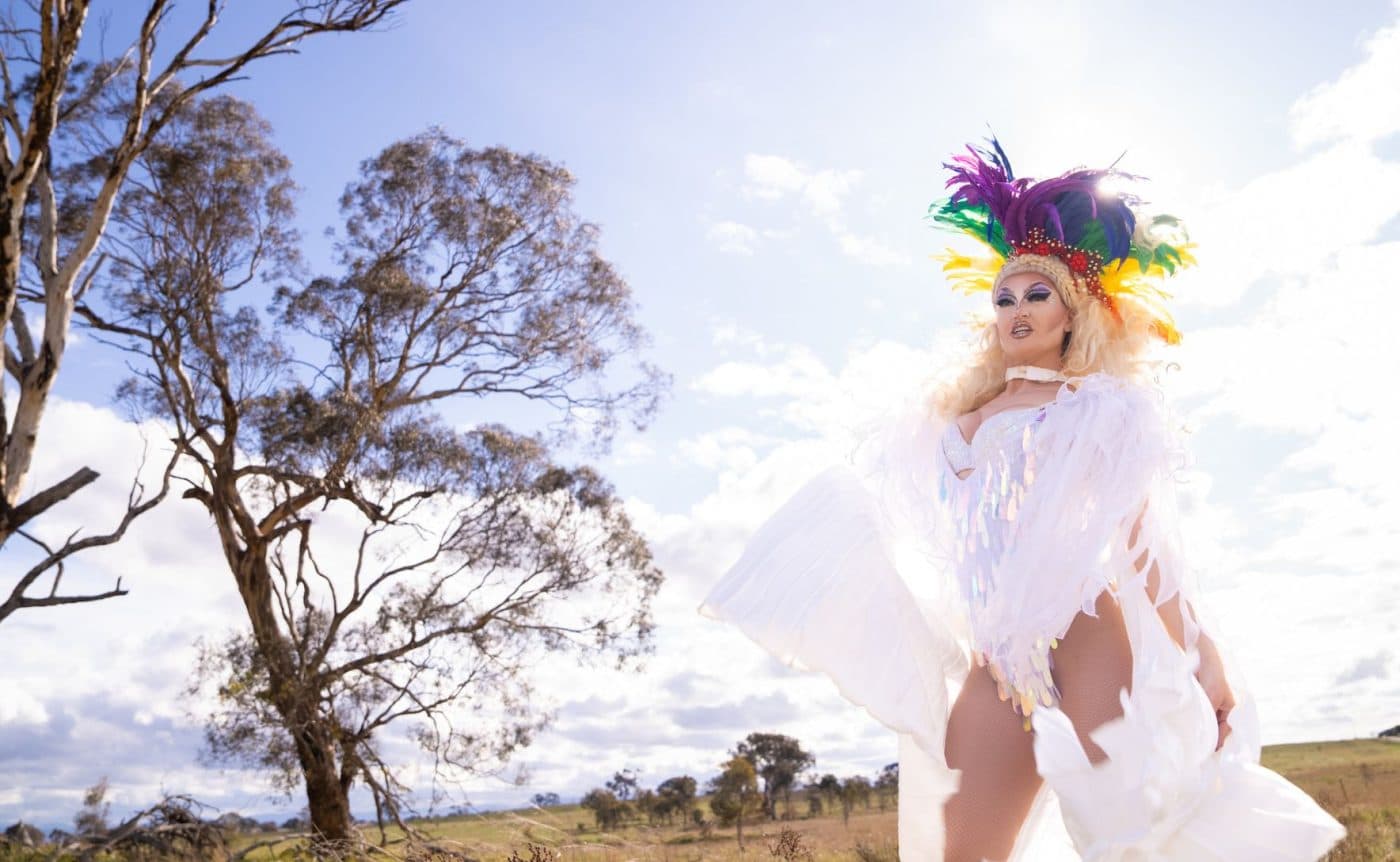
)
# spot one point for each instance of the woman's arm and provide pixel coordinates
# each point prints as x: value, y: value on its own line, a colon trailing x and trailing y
x: 1211, y: 670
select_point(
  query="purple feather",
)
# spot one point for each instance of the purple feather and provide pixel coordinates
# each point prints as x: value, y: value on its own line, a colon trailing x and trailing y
x: 1052, y: 222
x: 1063, y: 207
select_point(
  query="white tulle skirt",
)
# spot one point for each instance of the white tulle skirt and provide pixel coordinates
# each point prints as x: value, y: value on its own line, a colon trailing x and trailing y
x: 819, y: 586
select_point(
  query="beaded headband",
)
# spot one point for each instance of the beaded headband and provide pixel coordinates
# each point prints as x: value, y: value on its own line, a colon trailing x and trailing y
x: 1068, y: 221
x: 1052, y: 268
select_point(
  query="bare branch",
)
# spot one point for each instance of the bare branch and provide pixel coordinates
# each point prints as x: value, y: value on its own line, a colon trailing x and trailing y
x: 54, y: 560
x: 24, y: 338
x: 41, y: 502
x: 50, y: 46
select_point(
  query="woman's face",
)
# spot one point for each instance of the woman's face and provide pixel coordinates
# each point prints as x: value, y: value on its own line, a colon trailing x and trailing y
x: 1032, y: 320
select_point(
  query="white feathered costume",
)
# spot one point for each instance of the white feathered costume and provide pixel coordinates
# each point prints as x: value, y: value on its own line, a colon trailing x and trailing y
x: 891, y: 575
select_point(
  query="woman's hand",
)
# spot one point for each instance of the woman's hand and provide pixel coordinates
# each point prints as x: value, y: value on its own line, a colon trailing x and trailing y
x: 1211, y: 676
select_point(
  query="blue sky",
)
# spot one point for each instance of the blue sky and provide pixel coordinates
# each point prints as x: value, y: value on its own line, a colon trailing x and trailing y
x: 760, y: 173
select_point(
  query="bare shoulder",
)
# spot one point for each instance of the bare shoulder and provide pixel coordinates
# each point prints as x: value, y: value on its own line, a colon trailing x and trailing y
x: 968, y: 421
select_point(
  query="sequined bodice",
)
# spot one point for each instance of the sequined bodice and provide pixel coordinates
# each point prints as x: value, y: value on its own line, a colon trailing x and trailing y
x: 991, y: 437
x: 985, y: 502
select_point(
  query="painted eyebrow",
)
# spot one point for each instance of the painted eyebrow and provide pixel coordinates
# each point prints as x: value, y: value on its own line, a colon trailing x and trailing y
x: 1006, y: 291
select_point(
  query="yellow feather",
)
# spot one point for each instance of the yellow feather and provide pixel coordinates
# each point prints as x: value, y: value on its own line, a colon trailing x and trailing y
x: 970, y: 274
x: 966, y: 273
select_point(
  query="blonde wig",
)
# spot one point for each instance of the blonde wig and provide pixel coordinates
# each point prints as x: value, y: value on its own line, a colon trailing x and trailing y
x: 1096, y: 341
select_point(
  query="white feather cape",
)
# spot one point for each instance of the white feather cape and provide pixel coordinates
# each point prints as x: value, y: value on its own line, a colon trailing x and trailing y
x: 889, y: 574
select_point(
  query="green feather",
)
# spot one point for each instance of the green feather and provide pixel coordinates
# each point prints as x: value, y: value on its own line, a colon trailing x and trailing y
x: 962, y: 217
x: 1094, y: 239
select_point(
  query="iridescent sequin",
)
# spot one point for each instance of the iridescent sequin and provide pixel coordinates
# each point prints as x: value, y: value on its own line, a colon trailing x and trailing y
x: 987, y: 502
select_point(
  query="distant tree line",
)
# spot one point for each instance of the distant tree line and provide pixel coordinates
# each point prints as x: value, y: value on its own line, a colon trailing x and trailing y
x: 760, y: 771
x: 622, y: 799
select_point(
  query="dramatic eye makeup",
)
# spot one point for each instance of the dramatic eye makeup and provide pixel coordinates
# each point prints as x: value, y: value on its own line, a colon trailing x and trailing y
x: 1038, y: 292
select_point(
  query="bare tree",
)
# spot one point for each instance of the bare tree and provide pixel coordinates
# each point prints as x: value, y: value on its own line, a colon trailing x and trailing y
x: 396, y: 568
x: 173, y: 828
x: 71, y: 131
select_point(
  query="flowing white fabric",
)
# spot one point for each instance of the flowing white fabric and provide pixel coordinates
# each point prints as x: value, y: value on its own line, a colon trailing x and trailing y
x: 891, y: 575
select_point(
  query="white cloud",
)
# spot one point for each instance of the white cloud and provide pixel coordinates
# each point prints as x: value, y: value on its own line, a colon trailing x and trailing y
x: 54, y: 743
x: 1296, y: 221
x: 771, y: 177
x: 1291, y: 223
x: 822, y: 194
x: 736, y: 238
x: 730, y: 448
x: 1369, y: 667
x: 1305, y: 561
x: 1306, y: 361
x: 825, y: 191
x: 632, y: 450
x: 1358, y: 105
x: 732, y: 237
x: 20, y: 707
x: 870, y: 250
x: 799, y: 373
x: 775, y: 177
x: 731, y: 333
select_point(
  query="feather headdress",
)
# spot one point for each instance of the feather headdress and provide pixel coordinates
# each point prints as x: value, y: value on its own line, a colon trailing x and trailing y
x: 1070, y: 225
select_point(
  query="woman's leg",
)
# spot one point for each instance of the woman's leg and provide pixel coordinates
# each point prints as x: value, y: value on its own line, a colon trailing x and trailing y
x: 999, y: 781
x: 1092, y: 662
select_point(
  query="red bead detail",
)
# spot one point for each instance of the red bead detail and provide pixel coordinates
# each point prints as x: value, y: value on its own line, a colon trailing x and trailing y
x: 1086, y: 264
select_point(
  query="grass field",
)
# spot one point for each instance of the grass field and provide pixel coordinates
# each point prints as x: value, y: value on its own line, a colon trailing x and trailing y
x: 1357, y: 780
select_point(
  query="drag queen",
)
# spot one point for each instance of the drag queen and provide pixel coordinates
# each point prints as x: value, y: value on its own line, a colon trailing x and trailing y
x: 996, y: 571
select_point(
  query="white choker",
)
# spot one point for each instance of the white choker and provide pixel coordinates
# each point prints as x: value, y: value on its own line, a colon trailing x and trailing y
x: 1034, y: 372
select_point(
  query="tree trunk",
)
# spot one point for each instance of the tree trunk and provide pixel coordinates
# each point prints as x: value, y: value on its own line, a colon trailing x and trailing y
x: 326, y: 796
x: 9, y: 294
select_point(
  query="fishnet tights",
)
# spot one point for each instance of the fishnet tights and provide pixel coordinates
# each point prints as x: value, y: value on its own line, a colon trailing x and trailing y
x: 986, y: 739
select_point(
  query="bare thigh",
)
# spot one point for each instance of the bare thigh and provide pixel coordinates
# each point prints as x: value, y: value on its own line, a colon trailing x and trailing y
x: 999, y: 780
x: 1092, y: 663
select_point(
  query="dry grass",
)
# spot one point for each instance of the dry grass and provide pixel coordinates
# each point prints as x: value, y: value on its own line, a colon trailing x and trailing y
x: 1358, y: 781
x: 528, y: 834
